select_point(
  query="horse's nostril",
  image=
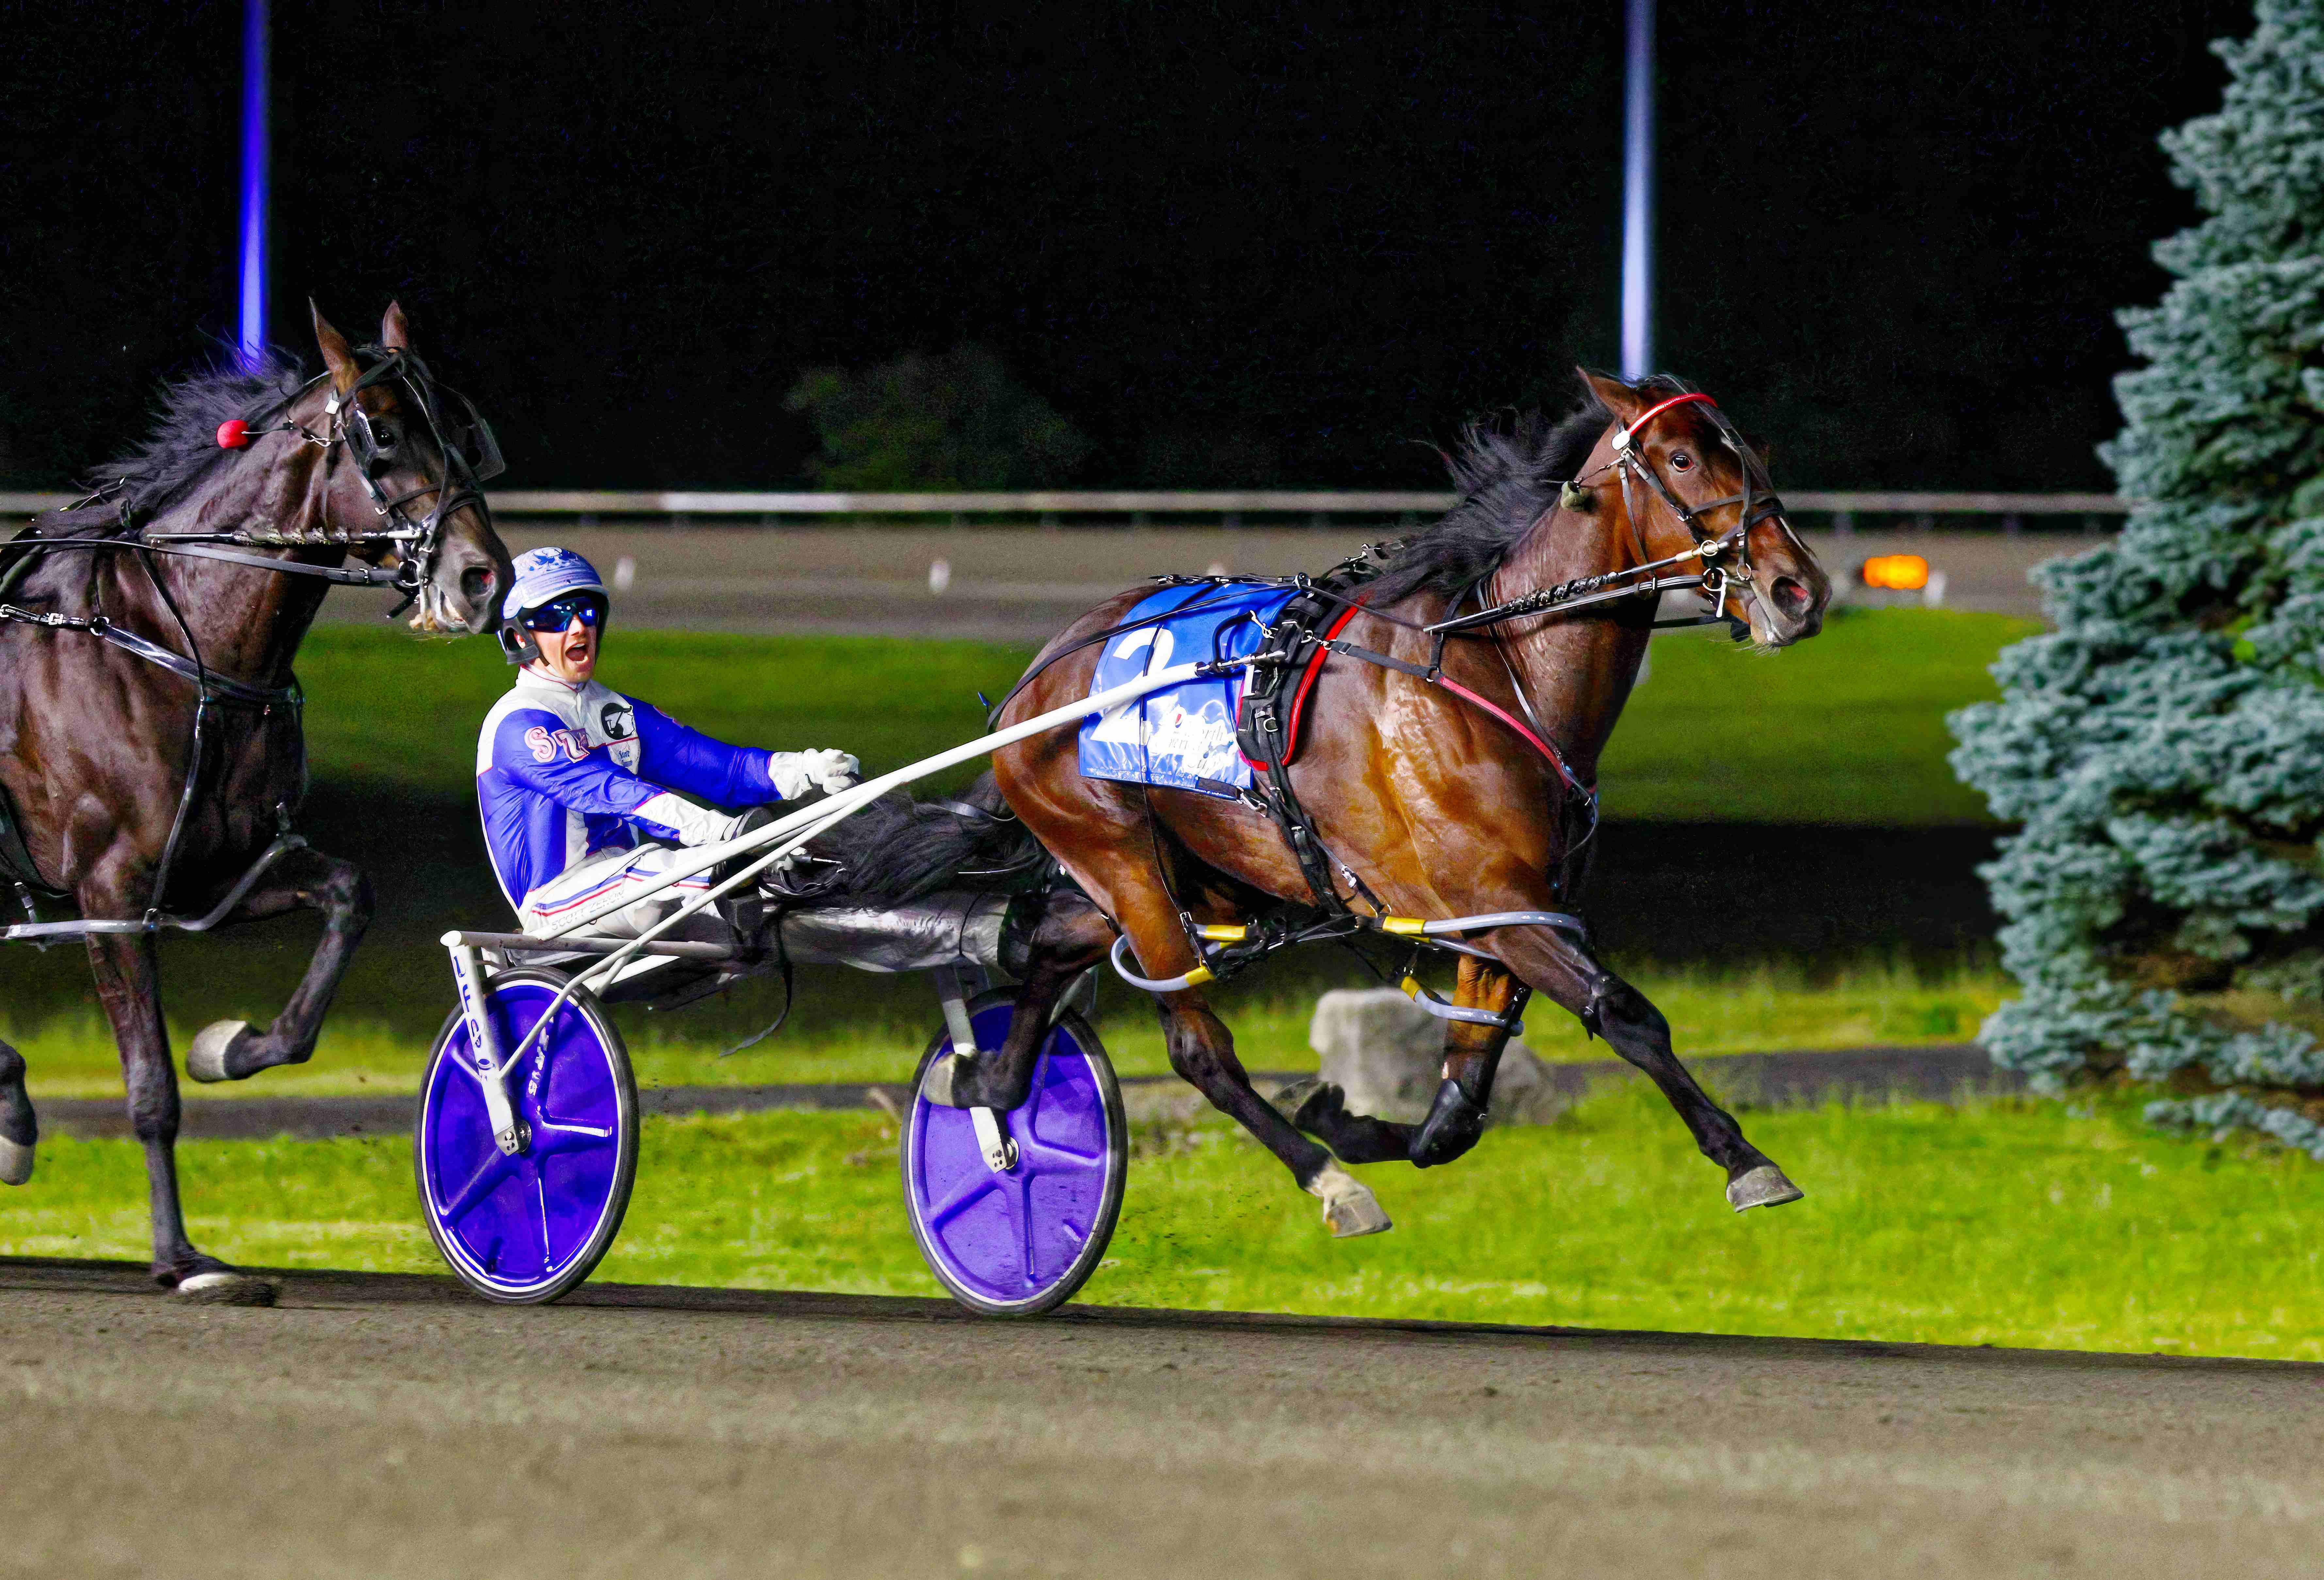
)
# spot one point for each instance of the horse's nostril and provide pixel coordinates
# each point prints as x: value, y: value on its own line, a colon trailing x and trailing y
x: 476, y: 581
x: 1790, y: 596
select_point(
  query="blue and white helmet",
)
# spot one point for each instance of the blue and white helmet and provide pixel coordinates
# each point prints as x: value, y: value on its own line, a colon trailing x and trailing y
x: 545, y: 575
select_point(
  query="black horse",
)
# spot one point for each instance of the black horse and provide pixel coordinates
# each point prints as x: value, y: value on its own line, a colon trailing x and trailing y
x: 151, y: 747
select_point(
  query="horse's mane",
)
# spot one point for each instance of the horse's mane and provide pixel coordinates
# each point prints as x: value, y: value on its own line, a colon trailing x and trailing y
x: 182, y: 448
x: 1508, y: 477
x: 180, y: 452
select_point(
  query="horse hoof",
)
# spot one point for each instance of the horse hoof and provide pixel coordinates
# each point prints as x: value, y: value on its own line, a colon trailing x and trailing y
x: 1349, y: 1208
x: 206, y: 1060
x: 15, y: 1162
x: 1764, y: 1187
x: 1292, y: 1098
x: 1453, y: 1124
x: 217, y: 1288
x: 936, y: 1085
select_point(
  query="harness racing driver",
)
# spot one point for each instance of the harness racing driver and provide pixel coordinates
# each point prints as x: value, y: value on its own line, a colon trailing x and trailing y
x: 585, y: 792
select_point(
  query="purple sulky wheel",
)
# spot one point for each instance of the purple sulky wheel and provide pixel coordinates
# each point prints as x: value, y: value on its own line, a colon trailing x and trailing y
x: 1020, y: 1243
x: 528, y: 1228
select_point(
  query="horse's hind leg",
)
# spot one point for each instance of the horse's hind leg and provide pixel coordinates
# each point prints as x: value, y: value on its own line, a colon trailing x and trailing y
x: 1472, y: 1053
x: 1070, y: 935
x: 231, y: 1050
x: 18, y: 1128
x: 1201, y: 1052
x: 128, y: 985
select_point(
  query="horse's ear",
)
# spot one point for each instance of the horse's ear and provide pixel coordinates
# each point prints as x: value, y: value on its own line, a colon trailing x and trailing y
x: 338, y: 357
x: 394, y: 332
x: 1613, y: 395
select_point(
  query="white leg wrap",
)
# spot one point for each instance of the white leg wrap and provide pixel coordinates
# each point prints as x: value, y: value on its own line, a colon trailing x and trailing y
x: 1349, y: 1206
x: 206, y: 1057
x: 15, y: 1163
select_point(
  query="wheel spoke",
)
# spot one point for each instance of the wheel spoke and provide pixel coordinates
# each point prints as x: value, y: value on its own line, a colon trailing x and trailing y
x: 1022, y: 1205
x: 1057, y: 1156
x: 480, y: 1184
x: 540, y: 1221
x: 548, y: 1138
x: 966, y: 1196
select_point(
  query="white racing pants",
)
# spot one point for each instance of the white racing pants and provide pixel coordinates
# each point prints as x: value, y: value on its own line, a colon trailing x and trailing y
x: 587, y: 884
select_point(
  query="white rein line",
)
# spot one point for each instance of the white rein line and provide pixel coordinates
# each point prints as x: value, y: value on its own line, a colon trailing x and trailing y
x: 814, y: 819
x: 802, y: 826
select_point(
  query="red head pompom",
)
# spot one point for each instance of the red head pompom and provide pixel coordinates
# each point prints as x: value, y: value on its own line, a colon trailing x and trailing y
x: 233, y: 434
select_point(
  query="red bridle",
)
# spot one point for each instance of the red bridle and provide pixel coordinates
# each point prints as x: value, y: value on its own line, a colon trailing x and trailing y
x: 1622, y: 440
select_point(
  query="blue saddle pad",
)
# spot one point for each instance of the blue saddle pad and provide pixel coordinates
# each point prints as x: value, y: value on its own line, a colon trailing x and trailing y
x: 1184, y: 737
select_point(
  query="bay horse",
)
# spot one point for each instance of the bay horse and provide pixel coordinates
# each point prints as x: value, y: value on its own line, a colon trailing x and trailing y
x: 151, y: 746
x: 1425, y: 785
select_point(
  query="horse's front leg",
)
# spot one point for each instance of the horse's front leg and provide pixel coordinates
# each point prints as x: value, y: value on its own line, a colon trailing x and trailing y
x: 305, y: 879
x: 1473, y: 1051
x: 19, y: 1130
x: 1635, y: 1029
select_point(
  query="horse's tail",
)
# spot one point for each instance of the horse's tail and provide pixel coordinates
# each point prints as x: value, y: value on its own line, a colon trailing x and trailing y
x: 897, y: 850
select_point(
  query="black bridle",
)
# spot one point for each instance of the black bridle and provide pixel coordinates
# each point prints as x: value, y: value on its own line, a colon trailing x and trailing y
x: 1721, y: 556
x: 472, y: 457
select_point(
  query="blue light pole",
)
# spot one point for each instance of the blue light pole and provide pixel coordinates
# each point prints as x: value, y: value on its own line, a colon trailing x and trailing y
x: 250, y: 340
x: 1639, y: 196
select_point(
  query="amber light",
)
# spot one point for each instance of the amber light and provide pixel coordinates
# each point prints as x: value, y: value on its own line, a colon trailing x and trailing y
x: 1900, y: 573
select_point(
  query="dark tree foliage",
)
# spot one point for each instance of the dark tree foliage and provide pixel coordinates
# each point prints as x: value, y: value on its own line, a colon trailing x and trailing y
x: 958, y: 420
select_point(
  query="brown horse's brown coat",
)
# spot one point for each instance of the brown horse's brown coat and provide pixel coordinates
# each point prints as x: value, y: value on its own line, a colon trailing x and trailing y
x: 1442, y: 810
x: 94, y: 741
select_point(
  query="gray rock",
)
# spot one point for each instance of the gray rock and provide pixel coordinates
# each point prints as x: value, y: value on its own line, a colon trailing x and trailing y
x: 1387, y: 1055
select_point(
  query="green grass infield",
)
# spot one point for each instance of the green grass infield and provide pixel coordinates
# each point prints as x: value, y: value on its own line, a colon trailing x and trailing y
x: 1711, y: 1012
x: 2004, y: 1223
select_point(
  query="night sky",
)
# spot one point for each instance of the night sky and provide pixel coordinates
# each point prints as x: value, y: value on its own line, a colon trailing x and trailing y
x: 1233, y: 243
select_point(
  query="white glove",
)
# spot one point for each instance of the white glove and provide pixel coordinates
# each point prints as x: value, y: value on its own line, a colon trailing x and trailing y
x: 827, y: 770
x: 695, y: 825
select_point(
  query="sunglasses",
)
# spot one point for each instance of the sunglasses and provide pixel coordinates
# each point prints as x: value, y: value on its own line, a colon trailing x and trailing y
x: 586, y: 607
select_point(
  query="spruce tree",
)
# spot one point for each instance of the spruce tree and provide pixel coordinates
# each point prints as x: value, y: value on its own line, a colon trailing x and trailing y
x: 2163, y: 745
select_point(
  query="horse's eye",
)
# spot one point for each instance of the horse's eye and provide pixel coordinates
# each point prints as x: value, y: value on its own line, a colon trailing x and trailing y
x: 383, y: 435
x: 1682, y: 462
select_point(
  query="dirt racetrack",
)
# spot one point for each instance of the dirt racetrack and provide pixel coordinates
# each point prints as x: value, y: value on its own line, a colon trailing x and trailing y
x: 390, y: 1426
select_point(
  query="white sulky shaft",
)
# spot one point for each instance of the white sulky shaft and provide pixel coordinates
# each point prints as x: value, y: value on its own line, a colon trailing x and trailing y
x: 812, y: 820
x: 802, y: 826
